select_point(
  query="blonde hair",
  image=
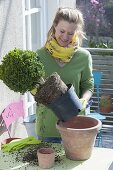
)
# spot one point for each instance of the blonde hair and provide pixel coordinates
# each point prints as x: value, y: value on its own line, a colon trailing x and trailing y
x: 72, y: 16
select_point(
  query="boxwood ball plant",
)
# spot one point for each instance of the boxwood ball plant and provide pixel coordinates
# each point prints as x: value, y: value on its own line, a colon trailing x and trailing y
x: 21, y: 70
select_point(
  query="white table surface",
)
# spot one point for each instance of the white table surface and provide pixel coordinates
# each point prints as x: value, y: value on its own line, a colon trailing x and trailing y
x: 101, y: 159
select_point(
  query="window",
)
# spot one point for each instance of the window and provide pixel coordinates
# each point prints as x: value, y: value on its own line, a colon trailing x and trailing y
x: 34, y: 25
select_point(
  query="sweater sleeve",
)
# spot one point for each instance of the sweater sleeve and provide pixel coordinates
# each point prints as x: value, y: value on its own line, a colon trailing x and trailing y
x: 87, y: 80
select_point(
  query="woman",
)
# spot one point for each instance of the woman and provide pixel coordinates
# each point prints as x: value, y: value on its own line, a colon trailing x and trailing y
x: 62, y: 54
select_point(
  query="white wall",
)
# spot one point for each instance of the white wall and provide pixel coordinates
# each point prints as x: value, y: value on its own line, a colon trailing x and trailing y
x: 53, y: 6
x: 11, y: 28
x: 67, y: 3
x: 11, y: 35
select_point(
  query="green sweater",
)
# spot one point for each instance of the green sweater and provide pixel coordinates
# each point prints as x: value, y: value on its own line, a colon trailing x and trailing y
x: 78, y: 72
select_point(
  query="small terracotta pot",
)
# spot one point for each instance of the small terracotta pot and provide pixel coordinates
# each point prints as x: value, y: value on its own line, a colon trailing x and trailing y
x: 46, y: 157
x: 106, y: 104
x: 78, y: 136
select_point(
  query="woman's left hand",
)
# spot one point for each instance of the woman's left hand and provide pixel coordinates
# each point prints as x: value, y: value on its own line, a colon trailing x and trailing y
x: 84, y: 102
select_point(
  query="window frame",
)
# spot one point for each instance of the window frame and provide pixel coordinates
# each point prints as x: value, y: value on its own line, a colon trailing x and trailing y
x: 29, y: 102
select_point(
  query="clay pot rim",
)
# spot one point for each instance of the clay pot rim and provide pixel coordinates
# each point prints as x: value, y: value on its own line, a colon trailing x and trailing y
x: 98, y: 126
x: 46, y: 149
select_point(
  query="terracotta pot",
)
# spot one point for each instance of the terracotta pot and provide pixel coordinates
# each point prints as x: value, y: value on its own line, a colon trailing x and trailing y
x: 78, y: 136
x: 46, y: 157
x: 106, y: 104
x: 8, y: 140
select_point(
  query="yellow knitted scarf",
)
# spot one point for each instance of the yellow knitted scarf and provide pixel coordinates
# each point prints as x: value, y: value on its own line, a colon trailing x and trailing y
x: 58, y: 52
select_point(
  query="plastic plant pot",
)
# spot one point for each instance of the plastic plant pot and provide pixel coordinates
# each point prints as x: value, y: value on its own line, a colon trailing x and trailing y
x: 66, y: 106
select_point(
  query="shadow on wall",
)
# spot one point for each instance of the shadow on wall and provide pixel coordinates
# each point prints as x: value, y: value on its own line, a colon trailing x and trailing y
x: 111, y: 166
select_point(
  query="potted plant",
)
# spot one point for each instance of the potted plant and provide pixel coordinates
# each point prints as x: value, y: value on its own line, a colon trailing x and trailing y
x: 22, y: 71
